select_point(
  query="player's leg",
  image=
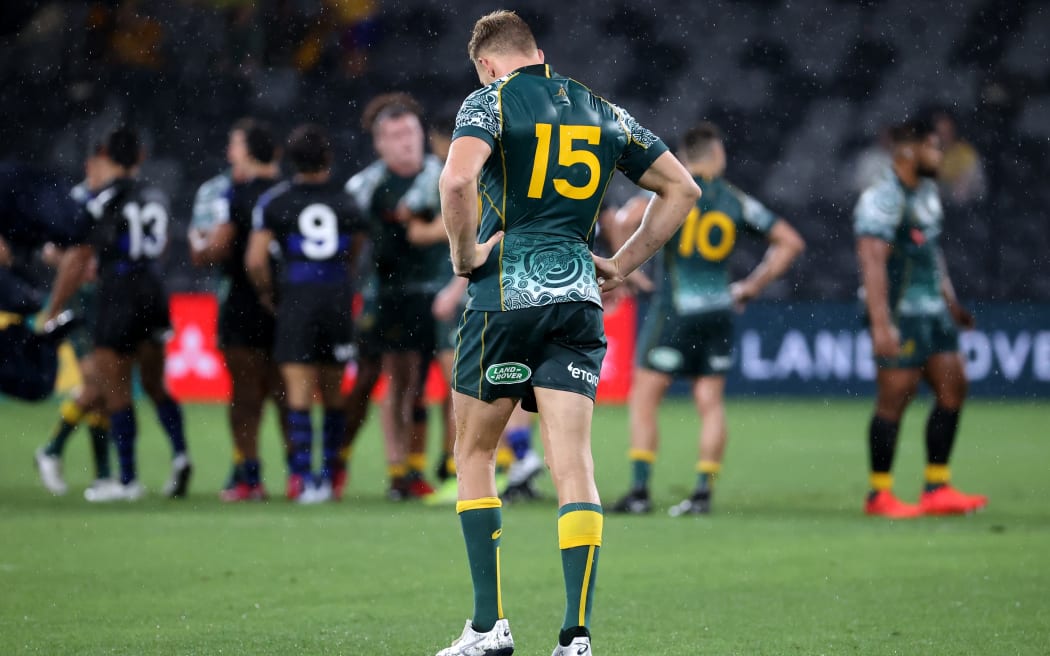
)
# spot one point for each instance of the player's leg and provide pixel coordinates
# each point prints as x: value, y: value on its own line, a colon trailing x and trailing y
x: 90, y: 399
x: 114, y: 375
x: 248, y: 369
x: 333, y: 429
x: 946, y: 375
x: 479, y: 425
x: 402, y: 369
x: 300, y: 380
x: 527, y: 462
x: 896, y: 387
x: 416, y: 460
x: 150, y: 357
x: 447, y: 491
x: 647, y: 391
x: 708, y: 395
x: 565, y: 418
x: 369, y: 367
x: 487, y: 380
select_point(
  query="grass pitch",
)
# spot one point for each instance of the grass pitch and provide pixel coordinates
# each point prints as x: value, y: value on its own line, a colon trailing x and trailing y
x: 786, y: 564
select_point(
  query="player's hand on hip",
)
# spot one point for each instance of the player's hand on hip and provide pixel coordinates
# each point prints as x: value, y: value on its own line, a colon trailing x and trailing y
x: 608, y: 273
x: 481, y: 255
x: 743, y: 292
x: 886, y: 341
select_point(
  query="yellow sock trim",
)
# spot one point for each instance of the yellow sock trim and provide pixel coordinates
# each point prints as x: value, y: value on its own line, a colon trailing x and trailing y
x: 98, y: 420
x: 504, y: 457
x: 396, y: 471
x: 938, y: 474
x: 708, y: 467
x: 344, y: 453
x: 644, y: 455
x: 450, y: 465
x: 416, y: 462
x: 70, y: 412
x: 238, y: 456
x: 580, y: 528
x: 586, y: 584
x: 499, y: 586
x: 478, y: 504
x: 881, y: 481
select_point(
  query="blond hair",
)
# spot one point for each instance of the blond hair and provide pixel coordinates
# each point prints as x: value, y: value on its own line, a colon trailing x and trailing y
x: 501, y: 32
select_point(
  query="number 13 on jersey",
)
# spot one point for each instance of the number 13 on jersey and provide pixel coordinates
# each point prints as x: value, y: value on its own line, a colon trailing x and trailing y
x: 567, y: 156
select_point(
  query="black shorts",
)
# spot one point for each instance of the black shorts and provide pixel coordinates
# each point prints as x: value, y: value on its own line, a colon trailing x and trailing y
x: 132, y: 308
x: 507, y: 354
x: 686, y: 345
x: 314, y: 326
x: 405, y: 322
x: 244, y: 322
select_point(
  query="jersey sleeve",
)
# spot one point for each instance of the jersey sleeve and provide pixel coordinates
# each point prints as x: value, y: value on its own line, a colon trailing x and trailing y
x: 642, y: 149
x: 479, y: 116
x: 755, y: 215
x: 223, y: 206
x: 878, y: 212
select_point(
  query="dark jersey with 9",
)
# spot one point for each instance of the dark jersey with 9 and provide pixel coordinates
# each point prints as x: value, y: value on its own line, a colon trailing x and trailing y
x: 313, y: 224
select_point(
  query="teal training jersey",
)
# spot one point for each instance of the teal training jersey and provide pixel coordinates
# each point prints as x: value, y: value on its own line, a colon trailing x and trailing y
x: 695, y: 261
x: 910, y: 221
x: 555, y: 146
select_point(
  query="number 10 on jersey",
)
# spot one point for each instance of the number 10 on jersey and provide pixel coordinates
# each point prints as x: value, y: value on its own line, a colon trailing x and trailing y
x: 567, y: 156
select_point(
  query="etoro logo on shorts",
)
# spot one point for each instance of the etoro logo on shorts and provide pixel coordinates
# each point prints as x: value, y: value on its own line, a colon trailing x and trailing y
x: 583, y: 374
x: 507, y: 373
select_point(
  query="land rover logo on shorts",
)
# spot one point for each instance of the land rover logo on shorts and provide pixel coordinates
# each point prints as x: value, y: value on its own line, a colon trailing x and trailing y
x: 507, y: 373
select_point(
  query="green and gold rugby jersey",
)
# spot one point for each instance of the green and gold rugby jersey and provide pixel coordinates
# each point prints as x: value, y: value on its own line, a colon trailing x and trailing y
x: 555, y: 146
x: 910, y: 221
x: 694, y: 262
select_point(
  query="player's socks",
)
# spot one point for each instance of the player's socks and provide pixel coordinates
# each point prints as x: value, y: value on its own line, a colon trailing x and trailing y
x: 169, y: 413
x: 936, y: 476
x: 70, y: 416
x: 482, y: 524
x: 882, y: 445
x: 252, y: 471
x: 123, y: 431
x: 300, y: 434
x: 416, y: 463
x: 580, y: 540
x: 520, y: 441
x: 98, y: 425
x: 941, y: 428
x: 504, y: 459
x: 707, y: 474
x: 332, y: 440
x: 641, y: 468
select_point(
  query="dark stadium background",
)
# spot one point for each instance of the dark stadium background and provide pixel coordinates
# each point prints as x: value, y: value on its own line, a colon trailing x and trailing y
x: 801, y: 90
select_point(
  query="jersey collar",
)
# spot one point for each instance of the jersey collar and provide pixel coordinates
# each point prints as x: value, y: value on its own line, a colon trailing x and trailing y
x: 541, y: 70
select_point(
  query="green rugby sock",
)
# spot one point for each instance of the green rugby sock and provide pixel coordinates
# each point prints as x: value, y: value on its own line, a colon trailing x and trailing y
x: 482, y: 523
x: 580, y: 539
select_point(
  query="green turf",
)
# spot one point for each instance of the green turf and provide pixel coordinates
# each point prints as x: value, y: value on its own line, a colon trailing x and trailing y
x: 786, y: 565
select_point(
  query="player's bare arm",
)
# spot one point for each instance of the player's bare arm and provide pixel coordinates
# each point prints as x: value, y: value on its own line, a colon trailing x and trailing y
x: 785, y: 245
x: 257, y: 262
x: 459, y: 204
x: 676, y: 194
x: 449, y: 298
x: 873, y: 253
x: 962, y: 317
x: 213, y: 247
x: 72, y: 271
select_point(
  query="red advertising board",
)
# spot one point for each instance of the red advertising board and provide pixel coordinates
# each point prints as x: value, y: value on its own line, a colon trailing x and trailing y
x: 195, y: 370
